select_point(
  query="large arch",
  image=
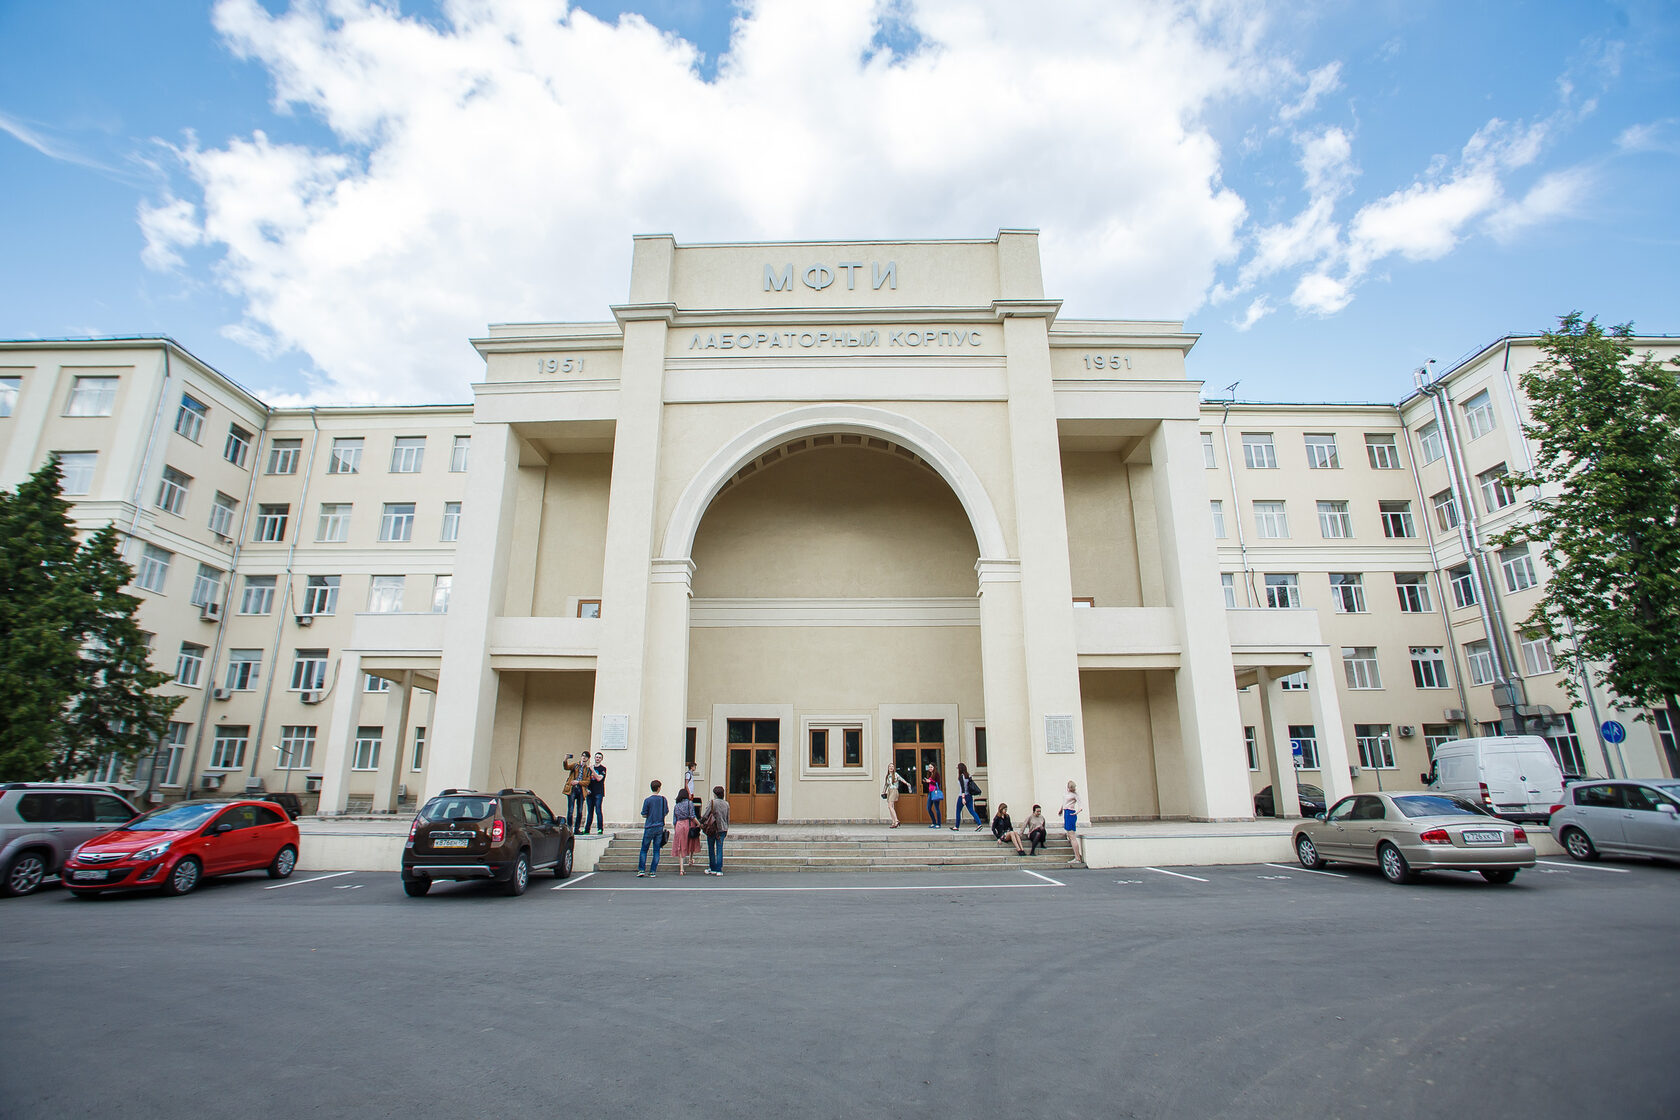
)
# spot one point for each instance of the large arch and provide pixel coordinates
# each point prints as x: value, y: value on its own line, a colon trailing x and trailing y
x: 678, y: 543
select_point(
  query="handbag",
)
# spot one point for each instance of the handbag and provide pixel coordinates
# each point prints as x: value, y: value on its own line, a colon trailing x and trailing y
x: 664, y: 837
x: 709, y: 824
x: 883, y: 795
x: 937, y: 795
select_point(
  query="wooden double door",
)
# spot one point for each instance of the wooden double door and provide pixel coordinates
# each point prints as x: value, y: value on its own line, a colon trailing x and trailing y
x: 918, y: 745
x: 753, y: 770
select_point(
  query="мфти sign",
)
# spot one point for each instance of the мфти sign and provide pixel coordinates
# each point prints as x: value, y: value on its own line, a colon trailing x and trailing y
x: 819, y: 276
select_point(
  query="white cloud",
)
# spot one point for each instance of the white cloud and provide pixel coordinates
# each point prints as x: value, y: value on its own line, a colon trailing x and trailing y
x: 1654, y: 136
x: 1557, y: 194
x: 493, y: 166
x: 1326, y: 79
x: 1321, y: 294
x: 168, y: 226
x: 1257, y: 310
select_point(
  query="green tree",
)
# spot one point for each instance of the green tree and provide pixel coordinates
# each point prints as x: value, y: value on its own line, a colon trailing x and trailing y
x: 1607, y: 511
x: 75, y: 684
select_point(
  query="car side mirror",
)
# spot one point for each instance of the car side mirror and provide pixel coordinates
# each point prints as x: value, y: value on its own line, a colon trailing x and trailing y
x: 224, y: 827
x: 1318, y: 816
x: 1665, y: 807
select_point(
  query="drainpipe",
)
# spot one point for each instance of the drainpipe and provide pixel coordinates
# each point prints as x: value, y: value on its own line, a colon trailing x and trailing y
x: 1435, y: 574
x: 135, y: 498
x: 1236, y: 503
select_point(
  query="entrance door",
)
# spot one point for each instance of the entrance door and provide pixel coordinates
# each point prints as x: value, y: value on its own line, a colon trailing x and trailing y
x: 917, y: 745
x: 754, y: 747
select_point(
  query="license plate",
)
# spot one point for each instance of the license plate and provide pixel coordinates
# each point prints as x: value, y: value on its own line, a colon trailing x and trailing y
x: 449, y: 843
x: 88, y: 876
x: 1483, y: 836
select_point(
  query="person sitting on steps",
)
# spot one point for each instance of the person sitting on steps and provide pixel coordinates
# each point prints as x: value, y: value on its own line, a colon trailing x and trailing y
x: 1033, y: 830
x: 1003, y: 829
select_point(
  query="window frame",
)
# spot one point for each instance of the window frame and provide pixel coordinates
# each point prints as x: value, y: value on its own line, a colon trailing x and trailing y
x: 309, y: 670
x: 1324, y: 455
x: 1259, y: 451
x: 174, y: 485
x: 1418, y: 582
x: 396, y: 526
x: 460, y: 452
x: 1291, y: 590
x: 244, y: 670
x: 1271, y: 519
x: 380, y: 589
x: 408, y: 454
x: 345, y: 455
x: 1429, y: 667
x: 237, y: 448
x: 1347, y: 592
x: 153, y: 560
x: 263, y: 591
x: 1362, y: 670
x: 1382, y: 446
x: 1307, y: 735
x: 1479, y: 415
x: 284, y: 455
x: 191, y: 414
x: 77, y: 470
x: 1397, y: 521
x: 1335, y: 523
x: 294, y: 737
x: 234, y: 736
x: 273, y: 519
x: 190, y: 655
x: 332, y: 524
x: 315, y: 594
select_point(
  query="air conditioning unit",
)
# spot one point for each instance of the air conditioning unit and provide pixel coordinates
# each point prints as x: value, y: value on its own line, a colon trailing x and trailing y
x: 208, y: 780
x: 1353, y: 771
x: 1407, y: 731
x: 306, y: 620
x: 221, y: 694
x: 402, y: 793
x: 312, y: 784
x: 310, y: 697
x: 210, y: 612
x: 1453, y: 715
x: 253, y: 784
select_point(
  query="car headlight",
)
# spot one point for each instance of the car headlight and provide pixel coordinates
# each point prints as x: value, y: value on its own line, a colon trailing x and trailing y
x: 150, y: 853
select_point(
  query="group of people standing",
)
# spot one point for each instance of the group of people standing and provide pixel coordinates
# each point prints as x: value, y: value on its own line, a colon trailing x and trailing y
x: 688, y: 824
x: 586, y: 785
x: 965, y: 790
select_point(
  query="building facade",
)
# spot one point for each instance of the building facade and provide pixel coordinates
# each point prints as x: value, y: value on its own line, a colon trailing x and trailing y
x: 804, y: 516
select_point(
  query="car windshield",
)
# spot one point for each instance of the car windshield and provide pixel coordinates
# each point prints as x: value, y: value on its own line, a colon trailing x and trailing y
x: 1670, y: 788
x: 457, y: 809
x: 177, y: 818
x: 1438, y: 805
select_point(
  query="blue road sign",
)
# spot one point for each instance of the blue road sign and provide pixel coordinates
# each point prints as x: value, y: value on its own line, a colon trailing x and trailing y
x: 1295, y: 749
x: 1613, y: 732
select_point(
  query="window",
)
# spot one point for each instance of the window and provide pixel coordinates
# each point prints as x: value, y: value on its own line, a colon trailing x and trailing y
x: 1218, y: 511
x: 1252, y: 747
x: 1496, y: 491
x: 207, y: 586
x: 1478, y: 415
x: 1305, y: 736
x: 320, y: 595
x: 259, y: 595
x: 851, y: 747
x: 371, y: 683
x: 818, y: 755
x: 309, y: 670
x: 1334, y: 522
x: 1518, y: 567
x: 1271, y: 520
x: 238, y: 445
x: 153, y: 569
x: 9, y: 387
x: 366, y: 756
x: 228, y: 753
x: 1347, y: 592
x: 1228, y: 584
x: 91, y: 396
x: 691, y: 743
x: 346, y: 456
x: 222, y: 508
x: 1413, y: 589
x: 283, y: 456
x: 1435, y: 734
x: 1321, y: 452
x: 243, y: 669
x: 1258, y: 452
x: 1380, y: 449
x: 174, y: 750
x: 1376, y: 747
x: 271, y: 523
x: 1209, y: 460
x: 1665, y: 733
x: 77, y: 468
x: 189, y: 418
x: 385, y: 594
x: 1430, y: 445
x: 1429, y: 669
x: 172, y: 491
x: 1360, y: 665
x: 1537, y: 655
x: 451, y: 521
x: 1479, y: 658
x: 442, y: 586
x: 397, y: 522
x: 1446, y: 510
x: 1397, y: 519
x: 1282, y: 592
x: 419, y: 749
x: 1294, y: 682
x: 407, y: 454
x: 189, y: 663
x: 1566, y: 747
x: 334, y: 524
x: 589, y: 608
x: 297, y: 747
x: 458, y: 456
x: 979, y: 748
x: 1463, y: 586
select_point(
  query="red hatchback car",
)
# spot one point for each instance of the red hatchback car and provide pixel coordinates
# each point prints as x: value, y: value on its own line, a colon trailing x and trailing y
x: 173, y: 848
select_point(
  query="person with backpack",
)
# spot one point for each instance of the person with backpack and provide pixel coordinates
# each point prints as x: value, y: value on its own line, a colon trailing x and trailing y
x: 967, y: 789
x: 715, y: 824
x: 654, y: 808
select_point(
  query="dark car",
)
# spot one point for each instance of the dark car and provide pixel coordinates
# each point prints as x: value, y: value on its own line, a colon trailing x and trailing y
x: 503, y: 836
x: 175, y: 848
x: 290, y: 802
x: 1310, y: 797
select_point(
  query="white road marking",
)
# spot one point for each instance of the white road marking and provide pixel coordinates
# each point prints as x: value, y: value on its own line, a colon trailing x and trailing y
x: 348, y: 887
x: 772, y: 890
x: 1585, y: 867
x: 1308, y: 870
x: 1046, y: 878
x: 572, y: 882
x: 1175, y: 874
x: 1272, y: 877
x: 1127, y: 882
x: 301, y: 882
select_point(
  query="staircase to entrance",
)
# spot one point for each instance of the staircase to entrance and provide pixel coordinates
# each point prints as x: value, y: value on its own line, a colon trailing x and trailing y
x: 848, y: 848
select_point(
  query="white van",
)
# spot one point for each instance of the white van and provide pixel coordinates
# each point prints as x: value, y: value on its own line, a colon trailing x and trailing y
x: 1515, y: 776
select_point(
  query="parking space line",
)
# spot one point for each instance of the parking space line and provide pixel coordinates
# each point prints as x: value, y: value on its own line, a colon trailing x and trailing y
x: 1308, y: 870
x: 572, y: 882
x: 774, y: 890
x: 1585, y: 867
x: 301, y: 882
x: 1175, y: 874
x: 1046, y: 878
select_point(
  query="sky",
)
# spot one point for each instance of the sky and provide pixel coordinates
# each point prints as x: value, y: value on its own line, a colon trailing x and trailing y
x: 326, y: 199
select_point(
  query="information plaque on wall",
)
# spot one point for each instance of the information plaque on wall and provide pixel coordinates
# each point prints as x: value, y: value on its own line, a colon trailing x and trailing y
x: 615, y: 733
x: 1058, y: 734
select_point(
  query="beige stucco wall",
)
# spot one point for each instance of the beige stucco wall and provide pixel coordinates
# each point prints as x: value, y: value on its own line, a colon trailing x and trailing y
x: 1102, y: 534
x: 573, y: 534
x: 1119, y: 743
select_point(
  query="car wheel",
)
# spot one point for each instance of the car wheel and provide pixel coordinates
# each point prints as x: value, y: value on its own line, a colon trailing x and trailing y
x: 516, y: 883
x: 416, y: 888
x: 563, y: 865
x: 284, y: 861
x: 1499, y: 875
x: 184, y: 877
x: 1307, y: 852
x: 24, y: 874
x: 1579, y: 845
x: 1394, y: 866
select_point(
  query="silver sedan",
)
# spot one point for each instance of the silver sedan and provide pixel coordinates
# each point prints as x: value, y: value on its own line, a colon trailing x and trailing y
x: 1634, y: 818
x: 1404, y: 833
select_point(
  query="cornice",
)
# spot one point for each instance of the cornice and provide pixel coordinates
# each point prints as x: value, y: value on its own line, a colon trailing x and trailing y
x: 1045, y: 309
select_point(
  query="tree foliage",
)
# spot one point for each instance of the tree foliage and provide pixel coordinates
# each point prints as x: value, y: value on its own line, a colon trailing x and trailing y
x: 1607, y: 508
x: 75, y: 684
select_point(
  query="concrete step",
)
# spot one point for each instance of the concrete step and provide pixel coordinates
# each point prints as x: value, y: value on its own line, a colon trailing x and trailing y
x: 946, y: 851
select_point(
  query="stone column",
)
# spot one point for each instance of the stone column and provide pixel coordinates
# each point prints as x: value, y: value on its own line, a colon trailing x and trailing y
x: 1286, y: 801
x: 665, y: 696
x: 1003, y: 675
x: 341, y: 735
x: 1327, y: 721
x: 397, y: 703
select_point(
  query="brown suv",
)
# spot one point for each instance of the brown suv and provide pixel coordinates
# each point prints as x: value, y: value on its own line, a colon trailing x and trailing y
x: 464, y: 834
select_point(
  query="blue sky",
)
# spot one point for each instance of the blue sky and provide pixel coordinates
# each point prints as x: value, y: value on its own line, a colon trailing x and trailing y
x: 326, y: 200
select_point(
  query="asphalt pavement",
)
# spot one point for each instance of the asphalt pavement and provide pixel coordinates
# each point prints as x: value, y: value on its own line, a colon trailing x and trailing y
x: 1173, y: 992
